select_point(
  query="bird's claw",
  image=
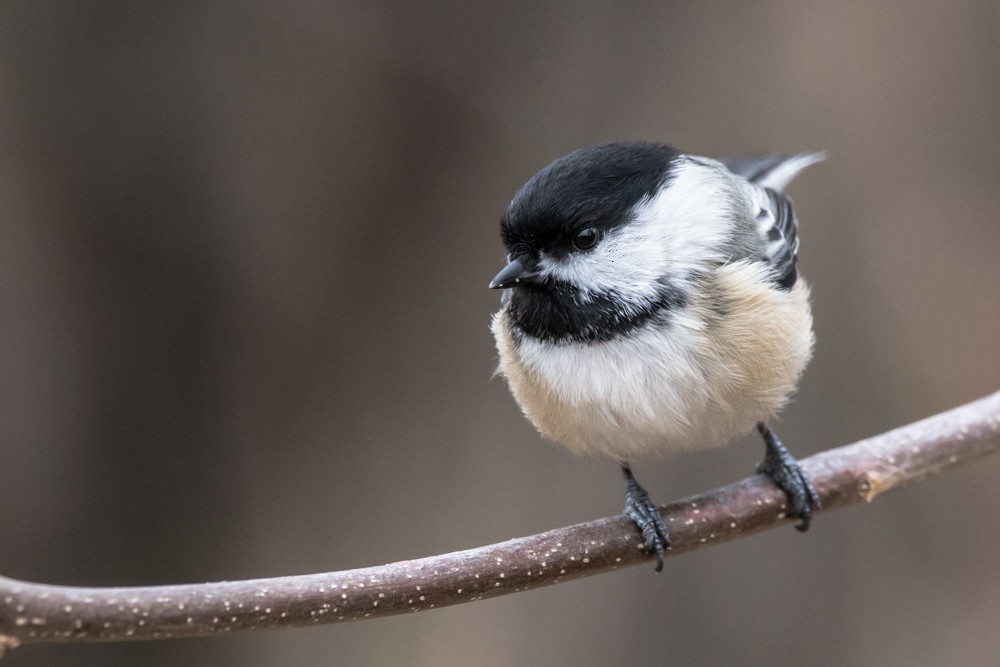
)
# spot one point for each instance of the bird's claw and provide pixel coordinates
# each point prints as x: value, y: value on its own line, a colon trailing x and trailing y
x: 644, y: 513
x: 781, y: 468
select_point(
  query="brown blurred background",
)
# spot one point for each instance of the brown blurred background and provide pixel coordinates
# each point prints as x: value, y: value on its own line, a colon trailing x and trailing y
x: 244, y: 251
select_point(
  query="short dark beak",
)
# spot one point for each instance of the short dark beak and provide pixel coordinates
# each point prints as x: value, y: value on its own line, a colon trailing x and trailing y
x: 511, y: 275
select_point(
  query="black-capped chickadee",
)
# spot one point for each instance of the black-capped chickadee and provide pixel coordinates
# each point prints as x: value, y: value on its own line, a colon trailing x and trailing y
x: 652, y: 304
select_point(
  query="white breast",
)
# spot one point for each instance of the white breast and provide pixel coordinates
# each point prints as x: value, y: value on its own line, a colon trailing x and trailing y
x: 708, y: 376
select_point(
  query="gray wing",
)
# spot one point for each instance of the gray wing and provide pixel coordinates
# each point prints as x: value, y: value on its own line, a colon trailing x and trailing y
x: 776, y: 221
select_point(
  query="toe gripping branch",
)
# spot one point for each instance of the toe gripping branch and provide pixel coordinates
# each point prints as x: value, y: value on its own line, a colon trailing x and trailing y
x: 778, y: 465
x: 782, y: 468
x: 643, y: 512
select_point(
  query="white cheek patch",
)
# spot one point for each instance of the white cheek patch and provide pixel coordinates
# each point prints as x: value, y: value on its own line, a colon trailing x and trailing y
x: 678, y: 231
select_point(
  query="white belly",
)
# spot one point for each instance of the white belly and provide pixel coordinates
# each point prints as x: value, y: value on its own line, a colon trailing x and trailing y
x: 707, y: 377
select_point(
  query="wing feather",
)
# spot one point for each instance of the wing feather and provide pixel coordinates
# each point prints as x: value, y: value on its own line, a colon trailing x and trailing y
x: 776, y: 221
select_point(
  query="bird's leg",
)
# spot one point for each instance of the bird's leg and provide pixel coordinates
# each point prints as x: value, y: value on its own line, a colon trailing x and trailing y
x: 785, y: 471
x: 641, y: 509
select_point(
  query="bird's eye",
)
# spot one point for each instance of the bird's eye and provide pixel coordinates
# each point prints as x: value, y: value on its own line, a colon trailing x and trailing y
x: 585, y: 239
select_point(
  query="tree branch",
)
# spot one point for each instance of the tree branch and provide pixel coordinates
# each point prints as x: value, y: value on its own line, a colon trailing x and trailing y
x: 35, y: 613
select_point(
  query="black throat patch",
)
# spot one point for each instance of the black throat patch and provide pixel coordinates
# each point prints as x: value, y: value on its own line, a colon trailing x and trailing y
x: 559, y: 312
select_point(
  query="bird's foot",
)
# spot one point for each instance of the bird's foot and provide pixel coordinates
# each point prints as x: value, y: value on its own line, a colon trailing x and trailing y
x: 782, y: 468
x: 643, y: 512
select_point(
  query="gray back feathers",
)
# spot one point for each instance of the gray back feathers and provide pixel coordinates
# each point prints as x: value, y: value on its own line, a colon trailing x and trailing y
x: 772, y: 171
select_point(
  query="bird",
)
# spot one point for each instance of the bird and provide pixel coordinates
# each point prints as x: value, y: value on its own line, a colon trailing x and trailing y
x: 651, y: 303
